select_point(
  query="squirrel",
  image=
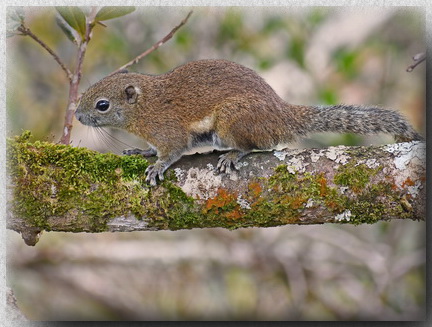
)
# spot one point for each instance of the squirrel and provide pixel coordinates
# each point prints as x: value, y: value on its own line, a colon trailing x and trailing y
x: 222, y: 104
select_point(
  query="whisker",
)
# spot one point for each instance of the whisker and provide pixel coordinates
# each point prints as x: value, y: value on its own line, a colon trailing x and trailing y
x: 110, y: 141
x: 114, y: 138
x: 102, y: 135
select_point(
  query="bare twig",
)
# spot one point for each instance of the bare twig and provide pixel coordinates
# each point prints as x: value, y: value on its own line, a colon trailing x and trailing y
x: 76, y: 78
x: 27, y: 32
x: 154, y: 46
x: 418, y: 58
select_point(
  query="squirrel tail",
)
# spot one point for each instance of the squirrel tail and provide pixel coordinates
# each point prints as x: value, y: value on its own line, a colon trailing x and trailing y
x: 359, y: 120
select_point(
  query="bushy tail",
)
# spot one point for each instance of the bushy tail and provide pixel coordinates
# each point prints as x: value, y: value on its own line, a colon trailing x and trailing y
x: 360, y: 120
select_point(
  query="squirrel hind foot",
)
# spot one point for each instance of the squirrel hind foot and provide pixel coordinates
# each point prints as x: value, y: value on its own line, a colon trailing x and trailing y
x: 229, y: 161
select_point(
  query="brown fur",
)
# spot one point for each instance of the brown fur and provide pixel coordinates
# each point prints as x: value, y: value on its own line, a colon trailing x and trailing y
x: 217, y: 102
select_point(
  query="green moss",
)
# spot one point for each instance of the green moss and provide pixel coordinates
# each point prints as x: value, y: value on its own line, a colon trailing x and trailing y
x: 291, y: 193
x: 54, y: 180
x: 369, y: 206
x: 364, y: 211
x: 372, y: 200
x: 287, y: 196
x: 354, y: 176
x: 182, y: 211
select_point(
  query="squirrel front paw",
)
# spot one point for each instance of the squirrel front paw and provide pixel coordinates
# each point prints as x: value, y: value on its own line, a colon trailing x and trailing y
x: 155, y: 171
x: 145, y: 153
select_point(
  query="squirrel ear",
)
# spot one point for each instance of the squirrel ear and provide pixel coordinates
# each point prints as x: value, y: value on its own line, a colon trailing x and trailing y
x: 131, y: 94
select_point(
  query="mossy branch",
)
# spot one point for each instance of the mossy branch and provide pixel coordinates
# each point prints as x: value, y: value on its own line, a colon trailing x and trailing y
x: 61, y: 188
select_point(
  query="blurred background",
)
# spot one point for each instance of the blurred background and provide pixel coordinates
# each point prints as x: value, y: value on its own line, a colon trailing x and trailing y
x: 309, y: 55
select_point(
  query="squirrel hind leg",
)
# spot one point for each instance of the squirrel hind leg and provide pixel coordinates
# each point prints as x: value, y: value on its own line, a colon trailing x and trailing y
x: 230, y: 160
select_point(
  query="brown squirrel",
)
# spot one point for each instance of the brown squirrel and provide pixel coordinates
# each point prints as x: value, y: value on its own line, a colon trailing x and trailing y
x: 222, y: 104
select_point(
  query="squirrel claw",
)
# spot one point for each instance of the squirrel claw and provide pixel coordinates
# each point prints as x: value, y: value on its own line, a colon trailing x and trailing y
x: 226, y: 162
x: 229, y: 160
x: 154, y: 171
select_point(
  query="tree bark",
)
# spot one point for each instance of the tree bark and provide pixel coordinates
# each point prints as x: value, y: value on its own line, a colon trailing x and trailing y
x: 61, y: 188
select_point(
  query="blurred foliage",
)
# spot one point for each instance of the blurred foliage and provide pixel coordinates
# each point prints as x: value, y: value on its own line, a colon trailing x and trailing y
x: 346, y: 62
x: 310, y: 55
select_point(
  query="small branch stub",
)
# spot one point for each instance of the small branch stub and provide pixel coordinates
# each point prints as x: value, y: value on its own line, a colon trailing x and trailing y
x: 418, y: 58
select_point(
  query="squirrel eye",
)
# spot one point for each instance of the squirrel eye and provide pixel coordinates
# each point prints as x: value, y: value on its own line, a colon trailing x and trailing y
x: 102, y: 105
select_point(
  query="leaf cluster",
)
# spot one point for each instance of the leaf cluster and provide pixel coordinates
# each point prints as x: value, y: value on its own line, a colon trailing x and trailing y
x: 15, y: 19
x: 71, y: 19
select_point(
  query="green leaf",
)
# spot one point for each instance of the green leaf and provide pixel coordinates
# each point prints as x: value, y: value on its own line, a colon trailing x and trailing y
x: 110, y: 12
x: 11, y: 33
x: 14, y: 20
x: 69, y: 31
x: 16, y: 14
x: 75, y: 17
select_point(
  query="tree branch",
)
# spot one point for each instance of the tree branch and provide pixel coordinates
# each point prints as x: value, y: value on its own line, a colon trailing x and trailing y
x: 154, y: 46
x: 27, y: 32
x: 418, y: 58
x: 61, y: 188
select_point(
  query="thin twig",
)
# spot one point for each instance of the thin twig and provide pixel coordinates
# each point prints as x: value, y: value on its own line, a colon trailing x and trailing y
x: 418, y: 58
x: 154, y: 46
x: 76, y: 78
x: 26, y: 31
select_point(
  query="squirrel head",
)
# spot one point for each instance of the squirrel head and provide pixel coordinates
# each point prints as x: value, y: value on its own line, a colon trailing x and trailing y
x: 107, y: 102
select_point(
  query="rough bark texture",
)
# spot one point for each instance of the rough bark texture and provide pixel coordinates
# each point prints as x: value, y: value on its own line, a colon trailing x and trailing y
x: 61, y: 188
